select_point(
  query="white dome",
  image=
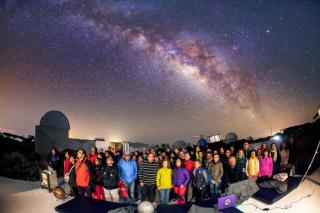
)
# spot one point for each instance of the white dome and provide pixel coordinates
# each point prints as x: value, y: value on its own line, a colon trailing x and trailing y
x: 230, y: 137
x: 55, y: 119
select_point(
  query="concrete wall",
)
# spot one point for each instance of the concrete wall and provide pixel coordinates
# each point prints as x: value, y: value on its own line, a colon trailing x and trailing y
x: 46, y: 137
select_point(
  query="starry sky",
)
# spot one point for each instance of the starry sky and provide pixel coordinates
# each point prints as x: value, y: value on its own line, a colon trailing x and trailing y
x: 159, y: 71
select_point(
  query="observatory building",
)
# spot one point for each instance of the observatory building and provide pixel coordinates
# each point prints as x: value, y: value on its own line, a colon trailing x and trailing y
x: 53, y: 130
x: 231, y: 137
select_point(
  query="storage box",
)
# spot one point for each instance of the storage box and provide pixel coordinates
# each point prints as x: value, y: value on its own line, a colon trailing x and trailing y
x: 48, y: 179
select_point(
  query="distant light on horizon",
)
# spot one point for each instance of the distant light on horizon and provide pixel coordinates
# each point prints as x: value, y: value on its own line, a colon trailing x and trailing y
x: 276, y: 138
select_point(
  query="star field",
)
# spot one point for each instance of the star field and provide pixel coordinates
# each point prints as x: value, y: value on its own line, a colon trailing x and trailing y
x: 159, y: 71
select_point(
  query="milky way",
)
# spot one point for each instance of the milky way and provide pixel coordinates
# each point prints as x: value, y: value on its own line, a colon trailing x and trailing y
x: 159, y: 71
x: 188, y: 56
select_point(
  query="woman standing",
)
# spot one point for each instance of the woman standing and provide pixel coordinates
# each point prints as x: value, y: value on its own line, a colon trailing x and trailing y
x: 252, y: 167
x: 181, y: 179
x: 98, y: 188
x: 276, y: 158
x: 84, y: 174
x: 265, y: 166
x: 66, y: 162
x: 263, y: 147
x: 284, y: 154
x: 216, y: 171
x: 54, y: 160
x: 164, y: 181
x: 109, y: 175
x: 72, y: 176
x: 93, y: 155
x: 242, y: 162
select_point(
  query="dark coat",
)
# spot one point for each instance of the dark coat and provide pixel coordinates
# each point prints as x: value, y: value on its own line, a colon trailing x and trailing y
x: 109, y: 175
x: 234, y: 174
x: 72, y: 175
x: 199, y: 179
x: 54, y: 161
x: 97, y: 175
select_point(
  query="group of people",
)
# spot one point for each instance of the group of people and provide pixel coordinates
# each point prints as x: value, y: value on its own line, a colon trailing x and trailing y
x: 193, y: 173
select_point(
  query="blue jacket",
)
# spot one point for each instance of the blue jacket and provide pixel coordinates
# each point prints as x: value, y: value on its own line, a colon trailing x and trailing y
x: 127, y: 170
x: 203, y: 143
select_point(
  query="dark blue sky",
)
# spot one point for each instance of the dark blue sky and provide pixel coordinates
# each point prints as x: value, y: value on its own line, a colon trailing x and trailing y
x: 159, y: 71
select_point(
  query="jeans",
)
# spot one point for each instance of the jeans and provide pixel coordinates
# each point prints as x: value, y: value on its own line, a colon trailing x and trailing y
x: 214, y: 188
x: 189, y: 191
x: 148, y: 192
x: 164, y: 196
x: 137, y: 191
x: 84, y: 191
x: 130, y: 187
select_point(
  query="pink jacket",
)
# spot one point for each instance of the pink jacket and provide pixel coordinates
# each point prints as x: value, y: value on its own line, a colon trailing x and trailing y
x: 266, y: 167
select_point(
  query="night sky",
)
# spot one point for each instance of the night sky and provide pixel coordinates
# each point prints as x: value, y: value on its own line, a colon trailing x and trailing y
x: 159, y: 71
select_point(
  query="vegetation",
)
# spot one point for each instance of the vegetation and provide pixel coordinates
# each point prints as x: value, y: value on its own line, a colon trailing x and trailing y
x: 18, y: 159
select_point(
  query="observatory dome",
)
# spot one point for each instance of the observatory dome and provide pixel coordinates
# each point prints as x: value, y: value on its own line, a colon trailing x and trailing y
x: 55, y: 119
x: 230, y: 137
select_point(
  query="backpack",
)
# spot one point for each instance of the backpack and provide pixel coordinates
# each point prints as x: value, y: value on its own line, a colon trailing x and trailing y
x: 206, y: 175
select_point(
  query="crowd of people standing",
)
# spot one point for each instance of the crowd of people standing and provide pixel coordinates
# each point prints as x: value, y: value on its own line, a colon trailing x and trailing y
x: 194, y: 173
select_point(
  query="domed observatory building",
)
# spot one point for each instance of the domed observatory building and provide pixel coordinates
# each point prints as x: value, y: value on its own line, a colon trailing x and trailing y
x: 53, y: 130
x: 231, y: 137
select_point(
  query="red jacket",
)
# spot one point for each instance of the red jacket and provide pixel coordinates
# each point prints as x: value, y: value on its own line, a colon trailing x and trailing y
x: 189, y: 165
x: 84, y: 173
x: 66, y: 166
x: 92, y: 158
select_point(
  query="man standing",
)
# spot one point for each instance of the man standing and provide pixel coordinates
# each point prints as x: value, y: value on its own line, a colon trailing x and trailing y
x: 127, y: 169
x: 292, y: 154
x: 246, y: 150
x: 189, y: 165
x: 215, y: 168
x: 234, y: 172
x: 147, y: 177
x: 199, y: 181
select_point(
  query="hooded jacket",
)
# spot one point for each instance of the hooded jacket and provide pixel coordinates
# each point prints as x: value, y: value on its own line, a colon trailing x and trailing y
x: 127, y: 170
